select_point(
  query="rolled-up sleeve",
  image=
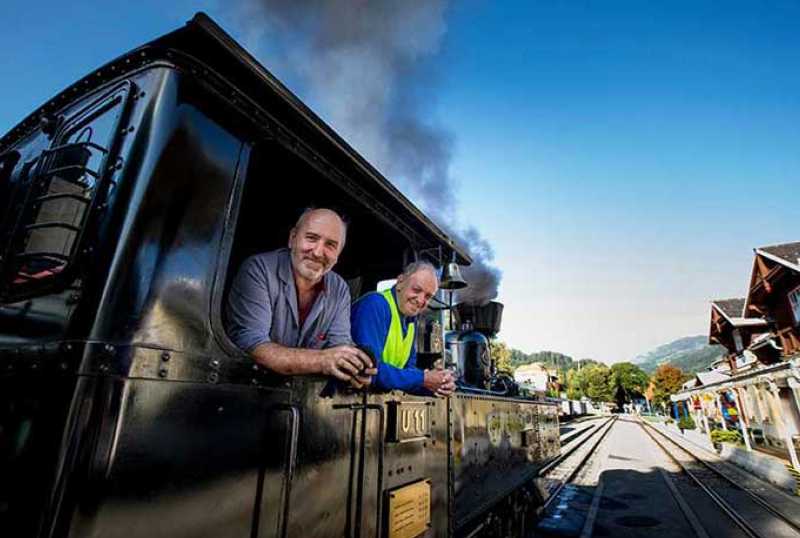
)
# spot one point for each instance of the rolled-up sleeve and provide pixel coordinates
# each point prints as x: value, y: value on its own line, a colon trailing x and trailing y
x: 249, y: 314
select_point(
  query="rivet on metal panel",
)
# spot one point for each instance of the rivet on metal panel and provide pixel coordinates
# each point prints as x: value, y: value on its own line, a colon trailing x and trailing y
x: 215, y: 363
x: 162, y: 372
x: 213, y: 377
x: 165, y: 356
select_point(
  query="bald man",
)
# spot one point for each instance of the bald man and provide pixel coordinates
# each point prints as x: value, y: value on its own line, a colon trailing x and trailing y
x: 291, y: 313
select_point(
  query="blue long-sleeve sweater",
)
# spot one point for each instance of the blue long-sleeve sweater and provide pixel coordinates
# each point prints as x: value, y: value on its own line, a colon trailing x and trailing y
x: 370, y: 318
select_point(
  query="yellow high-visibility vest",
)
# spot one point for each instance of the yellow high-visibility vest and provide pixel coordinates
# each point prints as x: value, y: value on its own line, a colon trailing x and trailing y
x: 397, y: 349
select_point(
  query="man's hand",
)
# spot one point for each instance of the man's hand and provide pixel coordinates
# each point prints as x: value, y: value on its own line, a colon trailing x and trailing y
x: 439, y: 382
x: 348, y: 363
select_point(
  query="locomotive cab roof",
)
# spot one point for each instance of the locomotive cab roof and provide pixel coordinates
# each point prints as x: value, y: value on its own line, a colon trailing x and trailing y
x: 217, y: 58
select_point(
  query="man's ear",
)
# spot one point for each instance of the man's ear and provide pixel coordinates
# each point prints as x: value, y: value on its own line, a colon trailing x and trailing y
x: 292, y: 233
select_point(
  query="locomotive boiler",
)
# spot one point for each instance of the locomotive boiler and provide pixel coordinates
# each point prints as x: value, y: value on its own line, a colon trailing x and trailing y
x: 127, y: 203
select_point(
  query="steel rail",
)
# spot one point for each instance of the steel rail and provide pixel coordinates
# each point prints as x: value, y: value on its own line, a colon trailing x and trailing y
x: 583, y: 439
x: 598, y: 434
x: 724, y: 505
x: 757, y: 498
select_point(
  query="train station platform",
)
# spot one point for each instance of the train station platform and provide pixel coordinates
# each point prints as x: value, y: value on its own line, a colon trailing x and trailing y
x: 762, y: 465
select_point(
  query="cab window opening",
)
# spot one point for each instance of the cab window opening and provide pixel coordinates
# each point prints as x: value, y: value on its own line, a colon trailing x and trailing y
x: 278, y: 187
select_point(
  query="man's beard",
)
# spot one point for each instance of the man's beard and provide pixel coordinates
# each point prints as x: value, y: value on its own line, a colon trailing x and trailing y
x: 312, y: 271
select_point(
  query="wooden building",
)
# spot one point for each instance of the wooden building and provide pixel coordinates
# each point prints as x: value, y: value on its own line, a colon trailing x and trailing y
x: 761, y: 373
x: 774, y: 296
x: 732, y: 330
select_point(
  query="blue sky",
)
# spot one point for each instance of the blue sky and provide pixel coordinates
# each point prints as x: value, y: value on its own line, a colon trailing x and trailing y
x: 623, y: 158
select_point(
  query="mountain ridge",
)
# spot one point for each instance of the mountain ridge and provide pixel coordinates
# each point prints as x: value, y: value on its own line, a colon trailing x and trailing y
x: 691, y: 354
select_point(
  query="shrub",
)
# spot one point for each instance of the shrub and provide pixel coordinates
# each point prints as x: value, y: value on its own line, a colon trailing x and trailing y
x: 726, y: 436
x: 686, y: 423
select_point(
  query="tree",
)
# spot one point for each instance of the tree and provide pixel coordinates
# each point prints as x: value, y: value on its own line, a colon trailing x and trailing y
x: 628, y: 382
x: 573, y: 383
x: 667, y: 380
x: 599, y: 382
x: 502, y: 356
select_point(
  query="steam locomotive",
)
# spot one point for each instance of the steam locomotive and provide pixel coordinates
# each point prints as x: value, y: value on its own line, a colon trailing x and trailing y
x: 127, y: 203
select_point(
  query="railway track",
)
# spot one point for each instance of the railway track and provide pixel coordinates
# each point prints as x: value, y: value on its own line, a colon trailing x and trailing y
x: 753, y: 515
x: 562, y: 470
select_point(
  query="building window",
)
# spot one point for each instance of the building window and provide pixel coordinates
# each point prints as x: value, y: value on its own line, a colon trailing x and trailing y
x: 794, y: 302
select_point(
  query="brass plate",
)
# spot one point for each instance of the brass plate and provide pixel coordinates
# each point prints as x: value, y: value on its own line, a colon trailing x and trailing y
x: 410, y: 510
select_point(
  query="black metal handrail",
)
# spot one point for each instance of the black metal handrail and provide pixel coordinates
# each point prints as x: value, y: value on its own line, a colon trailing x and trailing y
x: 56, y: 224
x: 49, y: 197
x: 61, y: 169
x: 73, y: 145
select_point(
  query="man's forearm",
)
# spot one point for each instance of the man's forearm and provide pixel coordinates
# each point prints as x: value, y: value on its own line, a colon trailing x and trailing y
x: 288, y: 360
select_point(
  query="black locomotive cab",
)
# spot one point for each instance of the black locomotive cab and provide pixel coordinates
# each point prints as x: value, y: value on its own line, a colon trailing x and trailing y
x: 128, y: 202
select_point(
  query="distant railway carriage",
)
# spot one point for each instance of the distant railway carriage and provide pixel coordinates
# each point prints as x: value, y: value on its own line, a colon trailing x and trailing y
x: 128, y: 201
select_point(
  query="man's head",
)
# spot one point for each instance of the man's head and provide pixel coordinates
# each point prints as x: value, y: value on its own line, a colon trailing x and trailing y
x: 415, y: 286
x: 316, y: 242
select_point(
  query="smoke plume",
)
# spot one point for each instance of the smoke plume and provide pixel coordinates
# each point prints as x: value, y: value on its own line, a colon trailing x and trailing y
x: 363, y: 65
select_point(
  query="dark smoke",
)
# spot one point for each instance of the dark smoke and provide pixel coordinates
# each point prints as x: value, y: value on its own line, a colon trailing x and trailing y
x: 362, y: 63
x: 482, y: 276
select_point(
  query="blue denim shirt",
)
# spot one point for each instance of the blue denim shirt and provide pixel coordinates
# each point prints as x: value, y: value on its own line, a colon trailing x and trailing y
x: 262, y: 306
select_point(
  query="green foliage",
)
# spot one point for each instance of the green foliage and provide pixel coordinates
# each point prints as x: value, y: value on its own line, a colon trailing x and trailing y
x: 599, y: 382
x: 686, y: 423
x: 726, y: 436
x: 553, y: 359
x: 628, y: 382
x: 575, y: 385
x: 502, y: 356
